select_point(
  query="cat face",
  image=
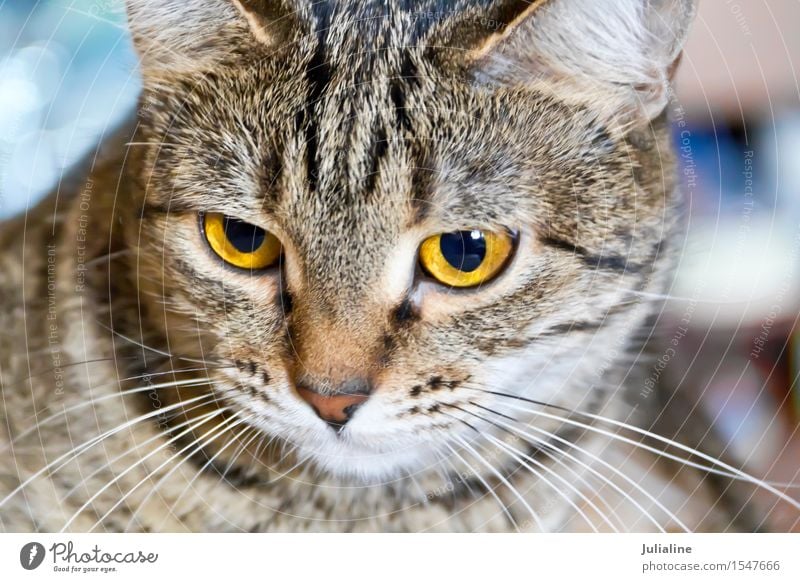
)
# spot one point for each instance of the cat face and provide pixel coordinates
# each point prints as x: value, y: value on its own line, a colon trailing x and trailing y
x: 301, y: 184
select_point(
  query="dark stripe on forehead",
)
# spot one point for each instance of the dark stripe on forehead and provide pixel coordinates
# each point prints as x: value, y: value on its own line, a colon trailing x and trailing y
x: 401, y: 87
x: 405, y: 82
x: 318, y: 77
x: 380, y: 145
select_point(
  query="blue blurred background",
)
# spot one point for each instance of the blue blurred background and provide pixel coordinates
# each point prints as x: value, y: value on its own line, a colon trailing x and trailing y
x: 68, y: 74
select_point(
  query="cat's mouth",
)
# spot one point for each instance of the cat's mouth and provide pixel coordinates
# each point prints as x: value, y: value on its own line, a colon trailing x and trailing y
x: 353, y: 436
x: 350, y: 435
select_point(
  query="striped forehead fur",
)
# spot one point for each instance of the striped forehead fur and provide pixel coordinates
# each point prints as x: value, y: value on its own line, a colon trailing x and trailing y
x: 372, y: 125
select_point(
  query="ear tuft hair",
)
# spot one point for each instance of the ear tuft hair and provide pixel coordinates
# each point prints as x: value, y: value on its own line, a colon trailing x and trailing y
x: 176, y: 36
x: 617, y: 56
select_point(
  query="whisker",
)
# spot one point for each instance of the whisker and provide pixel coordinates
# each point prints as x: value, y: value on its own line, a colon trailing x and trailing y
x: 423, y: 497
x: 543, y: 466
x: 209, y: 462
x: 293, y: 467
x: 732, y: 473
x: 200, y: 421
x: 240, y: 450
x: 174, y: 384
x: 740, y: 475
x: 503, y: 480
x: 64, y: 367
x: 458, y: 475
x: 154, y: 350
x: 263, y: 445
x: 486, y: 485
x: 450, y: 486
x: 158, y: 436
x: 220, y: 429
x: 176, y: 371
x: 549, y: 435
x: 86, y: 445
x: 521, y: 458
x: 534, y: 471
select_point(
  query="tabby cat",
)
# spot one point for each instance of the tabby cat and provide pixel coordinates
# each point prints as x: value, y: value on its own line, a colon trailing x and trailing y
x: 363, y: 266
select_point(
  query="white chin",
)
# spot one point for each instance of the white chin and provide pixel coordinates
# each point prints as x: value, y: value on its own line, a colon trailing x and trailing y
x: 347, y: 461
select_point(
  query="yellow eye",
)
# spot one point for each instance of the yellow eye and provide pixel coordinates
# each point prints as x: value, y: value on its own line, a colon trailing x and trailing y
x: 241, y: 244
x: 466, y: 258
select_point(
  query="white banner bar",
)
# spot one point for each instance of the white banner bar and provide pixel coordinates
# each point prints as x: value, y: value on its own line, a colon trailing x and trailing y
x: 384, y: 557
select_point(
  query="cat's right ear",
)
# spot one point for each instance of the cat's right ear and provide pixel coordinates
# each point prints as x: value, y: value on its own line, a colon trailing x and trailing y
x: 615, y: 56
x: 177, y: 36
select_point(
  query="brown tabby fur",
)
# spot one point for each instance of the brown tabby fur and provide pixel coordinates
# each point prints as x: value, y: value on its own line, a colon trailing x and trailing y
x: 353, y: 131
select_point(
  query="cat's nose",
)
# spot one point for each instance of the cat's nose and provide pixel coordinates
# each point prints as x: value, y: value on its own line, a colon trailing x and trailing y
x: 336, y: 407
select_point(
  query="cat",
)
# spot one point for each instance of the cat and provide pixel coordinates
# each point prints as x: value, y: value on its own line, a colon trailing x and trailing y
x: 363, y: 266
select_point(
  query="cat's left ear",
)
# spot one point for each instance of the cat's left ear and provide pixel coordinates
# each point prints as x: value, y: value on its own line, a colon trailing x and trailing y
x: 177, y: 36
x: 615, y: 56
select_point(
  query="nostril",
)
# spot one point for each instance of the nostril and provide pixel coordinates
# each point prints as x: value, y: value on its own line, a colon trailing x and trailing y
x: 335, y: 409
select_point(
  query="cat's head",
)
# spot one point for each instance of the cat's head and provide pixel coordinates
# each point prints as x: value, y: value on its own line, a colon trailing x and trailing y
x: 385, y: 213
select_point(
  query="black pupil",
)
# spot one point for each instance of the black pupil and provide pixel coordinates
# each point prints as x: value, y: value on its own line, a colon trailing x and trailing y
x: 245, y: 237
x: 464, y: 250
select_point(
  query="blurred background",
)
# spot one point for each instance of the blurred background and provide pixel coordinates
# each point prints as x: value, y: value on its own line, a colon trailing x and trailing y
x: 68, y: 75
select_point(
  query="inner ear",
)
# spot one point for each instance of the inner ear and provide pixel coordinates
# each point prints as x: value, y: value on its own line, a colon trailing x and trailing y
x: 615, y: 56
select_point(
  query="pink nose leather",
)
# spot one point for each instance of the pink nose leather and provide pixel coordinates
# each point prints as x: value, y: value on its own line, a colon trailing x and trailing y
x: 334, y: 409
